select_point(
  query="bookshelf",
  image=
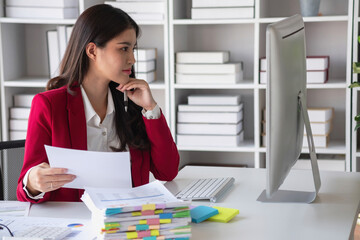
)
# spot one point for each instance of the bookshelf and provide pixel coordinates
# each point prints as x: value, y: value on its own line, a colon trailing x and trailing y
x: 245, y: 39
x: 355, y: 136
x: 23, y: 55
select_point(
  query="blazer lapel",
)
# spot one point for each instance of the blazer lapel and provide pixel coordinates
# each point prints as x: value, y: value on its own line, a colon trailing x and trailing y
x: 77, y: 120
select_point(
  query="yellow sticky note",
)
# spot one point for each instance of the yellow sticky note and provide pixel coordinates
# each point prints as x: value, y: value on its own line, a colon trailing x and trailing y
x: 136, y: 214
x: 142, y: 221
x: 154, y: 232
x: 225, y: 214
x: 165, y: 220
x: 131, y: 235
x: 148, y: 207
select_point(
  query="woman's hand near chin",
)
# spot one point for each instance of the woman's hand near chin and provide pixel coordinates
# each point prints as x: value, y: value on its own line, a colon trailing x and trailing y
x: 140, y: 93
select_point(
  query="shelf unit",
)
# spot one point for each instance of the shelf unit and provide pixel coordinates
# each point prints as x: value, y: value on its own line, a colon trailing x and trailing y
x: 24, y: 64
x: 245, y: 39
x: 23, y: 55
x: 355, y: 136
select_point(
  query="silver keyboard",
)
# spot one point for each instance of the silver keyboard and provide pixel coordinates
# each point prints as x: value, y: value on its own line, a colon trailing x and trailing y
x: 46, y: 233
x: 206, y: 189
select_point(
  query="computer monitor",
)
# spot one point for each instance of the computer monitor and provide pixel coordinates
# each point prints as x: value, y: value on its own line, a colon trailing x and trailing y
x: 286, y: 110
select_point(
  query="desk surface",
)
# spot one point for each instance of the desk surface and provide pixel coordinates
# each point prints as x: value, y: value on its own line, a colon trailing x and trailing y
x: 332, y: 215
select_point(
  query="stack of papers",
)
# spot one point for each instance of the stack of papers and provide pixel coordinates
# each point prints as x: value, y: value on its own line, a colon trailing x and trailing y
x: 146, y: 212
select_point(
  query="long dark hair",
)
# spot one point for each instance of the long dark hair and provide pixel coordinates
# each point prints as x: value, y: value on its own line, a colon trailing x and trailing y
x: 99, y: 24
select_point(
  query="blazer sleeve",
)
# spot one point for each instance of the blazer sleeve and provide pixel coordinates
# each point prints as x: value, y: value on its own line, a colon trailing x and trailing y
x: 164, y: 163
x: 38, y: 134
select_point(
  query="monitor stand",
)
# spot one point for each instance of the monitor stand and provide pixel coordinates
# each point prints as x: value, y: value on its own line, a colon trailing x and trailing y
x: 299, y: 196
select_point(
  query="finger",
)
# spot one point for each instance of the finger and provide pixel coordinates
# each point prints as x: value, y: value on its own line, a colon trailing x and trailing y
x: 60, y: 177
x: 53, y: 171
x: 135, y: 84
x: 56, y: 185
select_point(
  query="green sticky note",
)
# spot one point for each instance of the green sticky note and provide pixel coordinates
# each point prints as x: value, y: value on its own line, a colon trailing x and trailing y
x: 225, y: 214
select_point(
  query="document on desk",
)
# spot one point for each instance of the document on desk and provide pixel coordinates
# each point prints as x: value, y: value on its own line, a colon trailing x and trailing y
x: 14, y: 208
x: 80, y: 228
x: 92, y: 169
x: 130, y: 199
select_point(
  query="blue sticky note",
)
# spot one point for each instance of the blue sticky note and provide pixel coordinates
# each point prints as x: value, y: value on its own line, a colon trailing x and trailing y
x: 201, y: 213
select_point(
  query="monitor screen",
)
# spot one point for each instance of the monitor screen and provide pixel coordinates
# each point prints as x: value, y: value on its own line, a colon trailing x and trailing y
x: 285, y: 101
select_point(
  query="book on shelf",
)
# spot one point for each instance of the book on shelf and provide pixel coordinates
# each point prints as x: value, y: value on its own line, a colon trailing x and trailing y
x: 68, y: 32
x: 222, y: 3
x: 23, y: 100
x: 320, y: 128
x: 214, y: 68
x: 62, y: 40
x: 209, y: 140
x: 145, y: 66
x: 139, y: 7
x: 209, y: 128
x: 311, y: 76
x: 148, y: 76
x: 214, y: 99
x: 263, y: 139
x: 316, y: 115
x: 320, y: 115
x: 210, y: 117
x: 42, y: 12
x: 18, y: 124
x: 19, y: 113
x: 320, y: 141
x: 263, y: 126
x: 147, y: 16
x: 210, y: 108
x: 203, y: 57
x: 209, y: 78
x: 42, y: 3
x: 17, y: 135
x: 145, y: 54
x: 313, y: 63
x: 324, y: 164
x: 53, y: 52
x: 222, y: 13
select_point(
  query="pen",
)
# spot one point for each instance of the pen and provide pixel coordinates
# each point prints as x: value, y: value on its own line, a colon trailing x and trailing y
x: 126, y: 102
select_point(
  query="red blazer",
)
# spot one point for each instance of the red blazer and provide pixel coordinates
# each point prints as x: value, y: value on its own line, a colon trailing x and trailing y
x: 57, y: 118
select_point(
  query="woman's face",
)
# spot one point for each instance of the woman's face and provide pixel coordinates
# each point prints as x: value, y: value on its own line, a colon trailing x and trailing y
x: 114, y: 61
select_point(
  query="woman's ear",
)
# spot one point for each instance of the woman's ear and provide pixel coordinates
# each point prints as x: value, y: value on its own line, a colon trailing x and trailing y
x: 91, y: 50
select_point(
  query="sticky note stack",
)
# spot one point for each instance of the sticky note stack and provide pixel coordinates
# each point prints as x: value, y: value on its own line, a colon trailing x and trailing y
x: 151, y: 220
x: 225, y: 214
x: 201, y: 213
x: 138, y: 218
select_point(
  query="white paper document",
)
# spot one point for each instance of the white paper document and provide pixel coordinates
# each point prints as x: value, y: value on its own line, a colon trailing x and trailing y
x: 154, y: 192
x: 92, y: 169
x: 14, y: 208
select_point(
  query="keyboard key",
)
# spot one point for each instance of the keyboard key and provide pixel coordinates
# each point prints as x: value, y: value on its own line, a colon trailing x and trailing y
x: 206, y: 188
x: 46, y: 233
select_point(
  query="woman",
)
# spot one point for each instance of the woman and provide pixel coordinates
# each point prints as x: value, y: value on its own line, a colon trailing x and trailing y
x: 84, y: 109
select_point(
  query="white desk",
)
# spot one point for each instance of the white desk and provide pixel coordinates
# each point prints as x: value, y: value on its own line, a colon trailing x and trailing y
x: 331, y: 216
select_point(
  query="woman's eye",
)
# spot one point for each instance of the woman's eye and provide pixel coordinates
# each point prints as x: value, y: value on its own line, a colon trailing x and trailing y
x: 125, y: 49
